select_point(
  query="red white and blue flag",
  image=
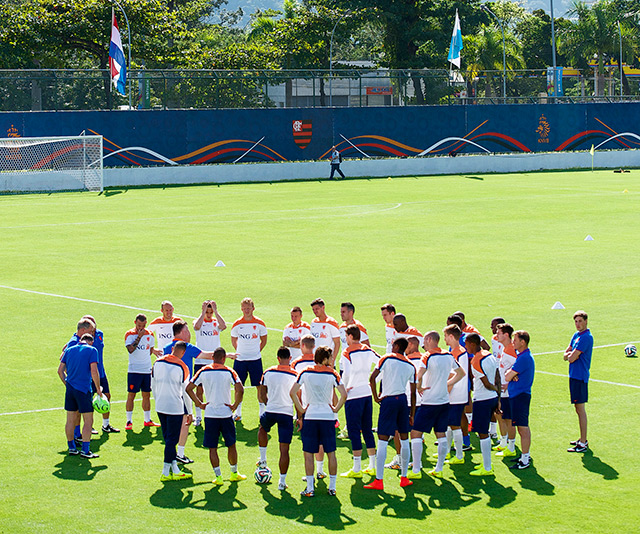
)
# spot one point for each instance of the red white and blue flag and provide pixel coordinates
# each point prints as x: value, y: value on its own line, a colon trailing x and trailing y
x: 117, y: 62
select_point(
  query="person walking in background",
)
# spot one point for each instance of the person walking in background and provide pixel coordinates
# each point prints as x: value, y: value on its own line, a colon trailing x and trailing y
x: 336, y: 160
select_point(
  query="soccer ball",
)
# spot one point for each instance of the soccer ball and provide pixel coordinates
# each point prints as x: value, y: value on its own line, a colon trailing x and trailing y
x: 101, y: 404
x: 630, y: 351
x: 262, y: 475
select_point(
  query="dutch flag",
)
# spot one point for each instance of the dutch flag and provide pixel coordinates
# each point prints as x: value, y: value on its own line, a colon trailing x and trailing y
x: 456, y: 43
x: 117, y: 62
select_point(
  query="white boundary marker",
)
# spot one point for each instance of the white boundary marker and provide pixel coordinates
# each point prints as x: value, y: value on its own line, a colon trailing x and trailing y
x: 275, y: 330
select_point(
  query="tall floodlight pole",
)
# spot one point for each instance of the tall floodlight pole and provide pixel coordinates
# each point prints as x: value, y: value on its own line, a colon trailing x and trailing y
x: 553, y: 52
x: 620, y: 32
x: 129, y: 42
x: 504, y: 53
x: 348, y: 12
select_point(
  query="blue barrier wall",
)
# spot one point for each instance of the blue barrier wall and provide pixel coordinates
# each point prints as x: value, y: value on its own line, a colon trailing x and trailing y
x: 215, y: 136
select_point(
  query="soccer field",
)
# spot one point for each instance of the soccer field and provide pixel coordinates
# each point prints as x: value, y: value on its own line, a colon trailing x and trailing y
x: 508, y: 245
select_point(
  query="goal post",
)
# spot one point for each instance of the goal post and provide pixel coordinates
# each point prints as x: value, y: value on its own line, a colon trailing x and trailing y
x: 51, y: 164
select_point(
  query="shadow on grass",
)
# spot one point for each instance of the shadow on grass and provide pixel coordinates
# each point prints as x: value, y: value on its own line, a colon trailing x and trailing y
x: 499, y: 495
x: 77, y: 468
x: 530, y: 479
x: 138, y: 441
x: 247, y: 435
x: 596, y: 465
x: 410, y: 506
x: 474, y: 178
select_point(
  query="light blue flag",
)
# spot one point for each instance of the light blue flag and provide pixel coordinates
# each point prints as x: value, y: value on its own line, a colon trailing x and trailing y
x: 456, y: 43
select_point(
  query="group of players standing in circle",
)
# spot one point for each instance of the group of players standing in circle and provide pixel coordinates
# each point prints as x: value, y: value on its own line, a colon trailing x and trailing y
x: 471, y: 385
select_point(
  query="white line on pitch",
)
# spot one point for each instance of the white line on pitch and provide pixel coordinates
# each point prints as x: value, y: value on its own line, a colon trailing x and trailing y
x: 597, y: 347
x: 592, y: 380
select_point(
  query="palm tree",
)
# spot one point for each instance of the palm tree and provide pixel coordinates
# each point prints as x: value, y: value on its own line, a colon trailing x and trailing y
x: 483, y: 52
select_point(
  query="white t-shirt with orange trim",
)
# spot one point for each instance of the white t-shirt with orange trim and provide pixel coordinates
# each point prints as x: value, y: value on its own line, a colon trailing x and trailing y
x: 248, y: 332
x: 169, y: 379
x: 279, y: 380
x: 318, y: 382
x: 163, y: 330
x: 217, y: 381
x: 300, y: 364
x: 324, y: 332
x: 459, y: 393
x: 390, y: 336
x: 496, y: 346
x: 140, y: 358
x: 396, y: 372
x: 415, y: 358
x: 208, y: 338
x: 507, y: 359
x: 295, y: 333
x: 409, y: 332
x: 483, y: 364
x: 356, y: 365
x: 343, y: 332
x: 439, y: 366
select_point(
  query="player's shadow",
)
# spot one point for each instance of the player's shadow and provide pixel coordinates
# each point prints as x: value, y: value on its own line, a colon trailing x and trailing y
x: 247, y: 435
x: 323, y: 511
x: 442, y: 494
x: 175, y: 495
x: 282, y: 504
x: 499, y: 495
x: 221, y: 499
x: 138, y: 441
x: 199, y: 435
x: 77, y: 468
x: 411, y: 506
x: 530, y: 479
x: 596, y: 465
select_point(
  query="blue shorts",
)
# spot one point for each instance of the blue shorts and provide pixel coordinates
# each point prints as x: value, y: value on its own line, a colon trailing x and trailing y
x: 138, y: 382
x: 197, y: 366
x: 284, y: 422
x: 579, y: 391
x: 316, y: 432
x: 482, y: 412
x: 78, y: 401
x: 394, y: 416
x: 505, y: 405
x: 359, y: 416
x: 431, y: 417
x: 104, y: 384
x: 252, y: 368
x: 213, y: 427
x: 456, y: 411
x: 520, y: 409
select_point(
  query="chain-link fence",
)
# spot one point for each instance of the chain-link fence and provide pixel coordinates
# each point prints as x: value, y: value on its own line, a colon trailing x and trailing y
x: 25, y: 90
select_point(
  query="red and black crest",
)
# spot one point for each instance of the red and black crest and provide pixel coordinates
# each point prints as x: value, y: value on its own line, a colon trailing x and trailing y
x: 302, y: 133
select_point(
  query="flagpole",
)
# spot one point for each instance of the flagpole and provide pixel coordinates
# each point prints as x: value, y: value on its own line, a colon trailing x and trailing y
x: 126, y: 19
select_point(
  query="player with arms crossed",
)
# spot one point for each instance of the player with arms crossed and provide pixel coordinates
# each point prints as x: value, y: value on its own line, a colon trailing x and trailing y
x: 439, y: 372
x: 78, y: 368
x: 139, y: 343
x: 248, y: 337
x: 486, y: 388
x: 388, y: 312
x: 169, y: 379
x: 506, y: 360
x: 325, y: 329
x: 294, y: 332
x: 273, y: 391
x: 217, y: 380
x: 207, y: 327
x: 355, y: 365
x: 395, y: 415
x: 317, y: 425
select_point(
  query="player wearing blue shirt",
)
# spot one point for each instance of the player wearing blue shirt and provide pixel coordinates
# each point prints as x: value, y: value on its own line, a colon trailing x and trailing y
x: 78, y: 369
x: 578, y: 354
x: 520, y: 380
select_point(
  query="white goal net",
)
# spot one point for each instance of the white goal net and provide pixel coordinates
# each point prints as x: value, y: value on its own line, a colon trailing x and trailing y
x: 51, y: 163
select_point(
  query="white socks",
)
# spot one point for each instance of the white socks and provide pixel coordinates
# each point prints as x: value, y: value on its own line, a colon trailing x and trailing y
x: 147, y: 416
x: 283, y: 480
x: 372, y: 462
x: 174, y: 467
x: 105, y: 422
x: 234, y: 468
x: 332, y: 482
x: 263, y: 454
x: 442, y: 453
x: 493, y: 428
x: 217, y: 471
x: 165, y: 469
x: 262, y: 408
x: 511, y: 444
x: 199, y: 412
x: 485, y: 447
x: 457, y: 441
x: 381, y: 458
x: 180, y: 450
x: 405, y: 453
x: 416, y: 454
x: 357, y: 463
x: 129, y: 416
x: 309, y: 482
x: 320, y: 466
x: 238, y: 412
x: 525, y: 458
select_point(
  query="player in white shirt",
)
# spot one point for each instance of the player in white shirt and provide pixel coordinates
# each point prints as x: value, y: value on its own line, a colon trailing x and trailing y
x: 486, y: 385
x: 346, y: 314
x: 207, y: 327
x: 139, y: 343
x: 496, y: 346
x: 217, y: 381
x: 169, y: 379
x: 388, y: 312
x: 438, y: 373
x: 403, y: 330
x: 294, y: 331
x: 396, y: 372
x: 248, y: 337
x: 355, y: 367
x: 318, y: 427
x: 459, y: 394
x: 325, y: 330
x: 162, y: 326
x: 507, y: 445
x: 274, y: 390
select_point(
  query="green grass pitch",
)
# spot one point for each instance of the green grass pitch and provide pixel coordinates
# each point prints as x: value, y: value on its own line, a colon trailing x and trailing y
x: 508, y: 245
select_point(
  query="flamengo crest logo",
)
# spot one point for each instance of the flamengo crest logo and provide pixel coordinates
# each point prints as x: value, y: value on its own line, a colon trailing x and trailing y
x: 302, y: 133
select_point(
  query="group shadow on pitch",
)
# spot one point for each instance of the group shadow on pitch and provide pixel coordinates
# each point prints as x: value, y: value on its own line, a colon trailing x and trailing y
x: 594, y: 464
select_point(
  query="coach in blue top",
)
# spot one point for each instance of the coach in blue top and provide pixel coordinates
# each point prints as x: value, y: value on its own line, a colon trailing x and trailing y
x: 578, y: 354
x: 78, y: 368
x: 520, y: 380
